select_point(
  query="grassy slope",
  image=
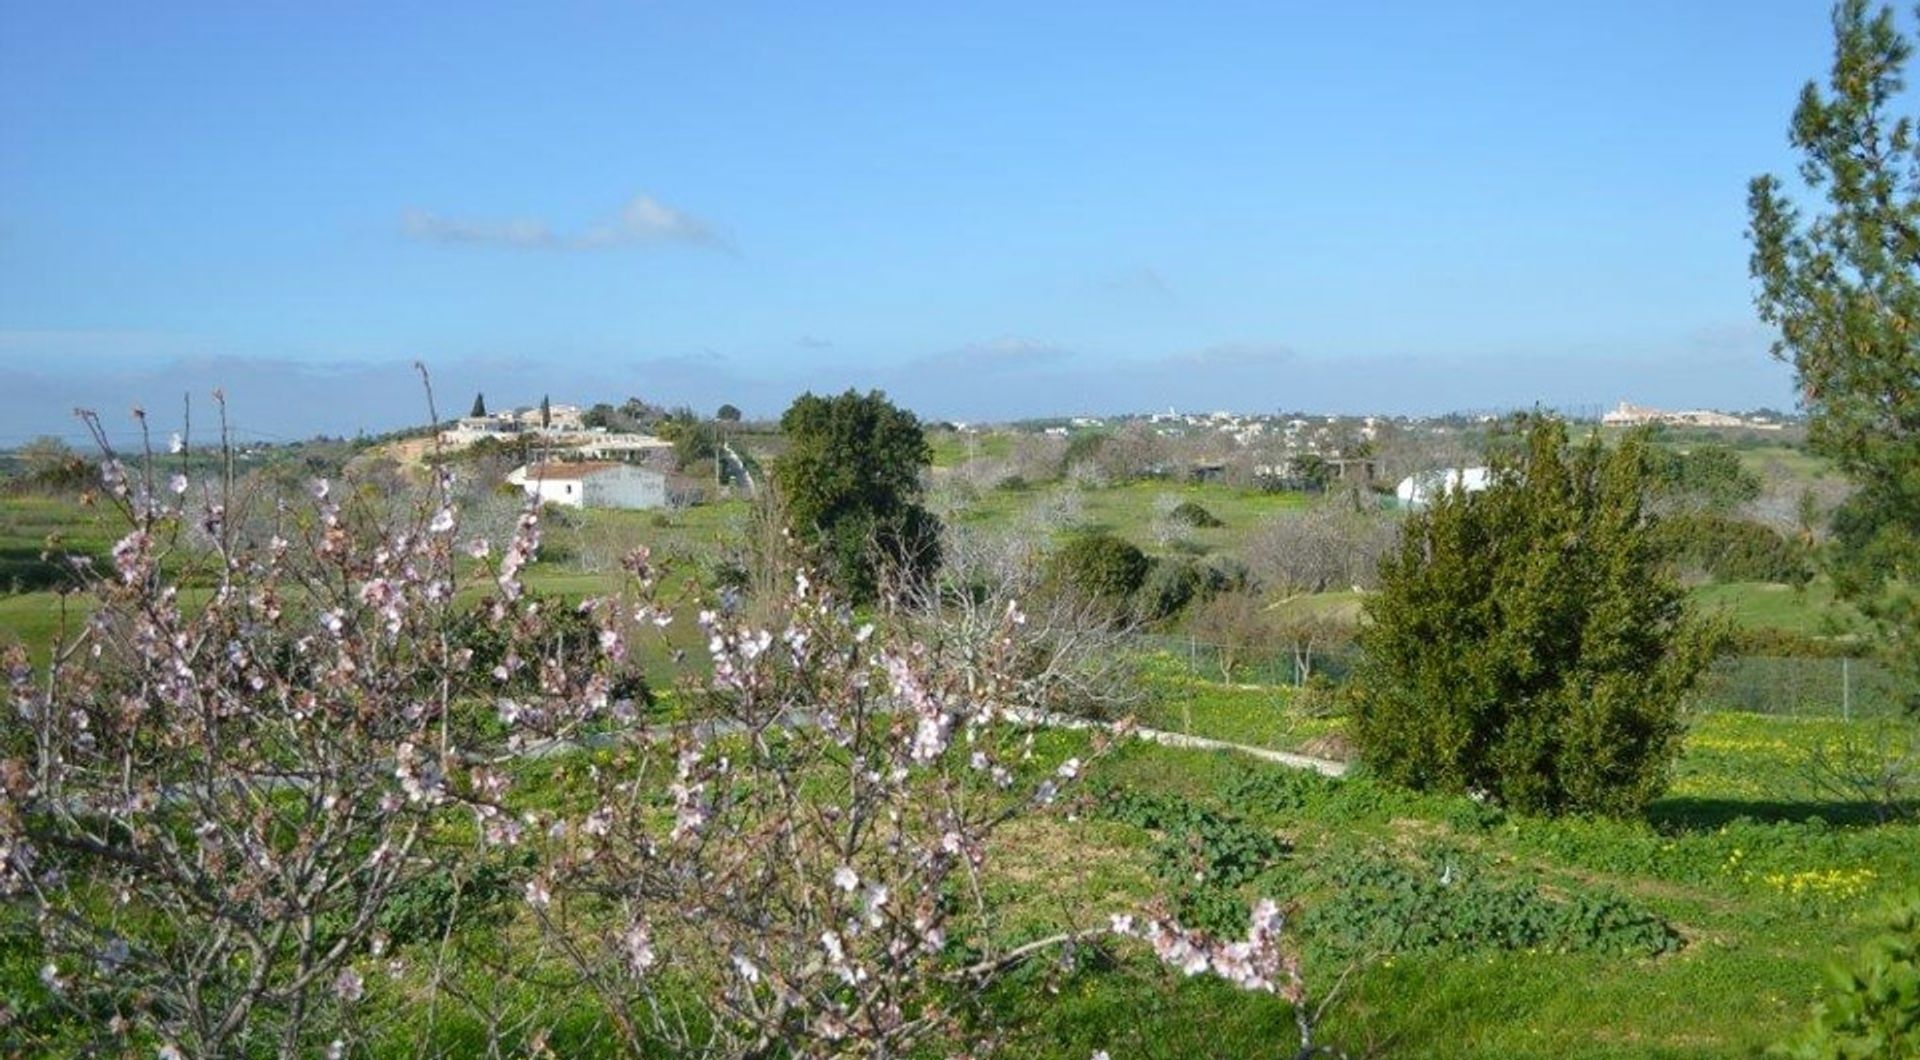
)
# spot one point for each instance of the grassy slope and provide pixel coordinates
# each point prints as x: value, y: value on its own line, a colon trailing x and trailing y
x: 1766, y: 605
x: 1133, y: 510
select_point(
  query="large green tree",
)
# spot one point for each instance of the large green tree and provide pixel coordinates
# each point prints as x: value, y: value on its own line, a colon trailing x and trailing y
x: 1843, y: 288
x: 850, y: 480
x: 1526, y: 641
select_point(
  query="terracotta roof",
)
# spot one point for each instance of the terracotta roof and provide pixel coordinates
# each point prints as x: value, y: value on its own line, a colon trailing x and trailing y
x: 555, y: 470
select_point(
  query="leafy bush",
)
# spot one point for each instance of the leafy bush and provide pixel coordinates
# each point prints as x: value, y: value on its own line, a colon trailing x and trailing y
x: 1710, y: 477
x: 1733, y: 550
x: 1526, y: 643
x: 1770, y: 642
x: 1874, y: 1009
x: 1169, y: 587
x: 1099, y: 565
x: 1190, y: 513
x: 1176, y: 584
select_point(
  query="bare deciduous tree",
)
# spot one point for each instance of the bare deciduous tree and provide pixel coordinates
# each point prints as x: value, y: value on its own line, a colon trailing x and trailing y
x: 1326, y: 547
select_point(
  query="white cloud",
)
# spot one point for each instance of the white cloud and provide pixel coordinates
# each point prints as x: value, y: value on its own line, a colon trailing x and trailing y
x: 643, y: 221
x: 433, y: 228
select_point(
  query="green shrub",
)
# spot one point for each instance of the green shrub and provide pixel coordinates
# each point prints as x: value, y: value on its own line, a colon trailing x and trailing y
x: 1770, y: 642
x: 1874, y: 1009
x: 1225, y: 574
x: 1169, y: 587
x: 1704, y: 476
x: 1099, y: 565
x: 1526, y: 642
x: 1190, y: 513
x: 1733, y: 550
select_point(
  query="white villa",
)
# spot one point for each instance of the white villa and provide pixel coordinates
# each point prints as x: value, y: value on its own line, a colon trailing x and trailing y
x: 623, y: 447
x: 593, y: 484
x: 470, y: 429
x: 1420, y: 490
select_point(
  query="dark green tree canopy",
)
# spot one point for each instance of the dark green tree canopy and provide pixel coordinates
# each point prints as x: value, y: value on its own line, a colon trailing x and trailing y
x: 1843, y: 288
x: 1099, y: 565
x: 850, y: 480
x: 1526, y: 641
x: 727, y: 414
x: 479, y: 406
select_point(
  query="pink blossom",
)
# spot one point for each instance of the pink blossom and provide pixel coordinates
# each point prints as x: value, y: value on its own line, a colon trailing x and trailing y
x: 638, y: 943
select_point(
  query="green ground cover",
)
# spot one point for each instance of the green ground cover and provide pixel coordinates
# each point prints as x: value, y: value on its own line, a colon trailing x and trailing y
x: 1257, y: 715
x: 35, y: 532
x: 951, y: 449
x: 1134, y: 511
x: 1810, y: 611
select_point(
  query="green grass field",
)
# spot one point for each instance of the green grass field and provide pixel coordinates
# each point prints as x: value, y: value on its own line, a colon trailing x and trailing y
x: 1753, y: 877
x: 951, y: 449
x: 1134, y: 511
x: 36, y: 532
x: 1810, y: 611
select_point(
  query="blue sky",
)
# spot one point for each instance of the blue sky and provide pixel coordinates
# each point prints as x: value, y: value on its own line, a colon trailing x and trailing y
x: 989, y: 210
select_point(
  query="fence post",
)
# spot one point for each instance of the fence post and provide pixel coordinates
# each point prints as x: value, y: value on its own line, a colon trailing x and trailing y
x: 1193, y: 686
x: 1846, y: 688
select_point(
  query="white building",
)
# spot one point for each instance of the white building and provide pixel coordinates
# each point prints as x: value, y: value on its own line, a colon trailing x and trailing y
x: 559, y: 418
x: 593, y: 484
x: 1630, y: 415
x: 1420, y: 490
x: 626, y: 448
x: 470, y: 429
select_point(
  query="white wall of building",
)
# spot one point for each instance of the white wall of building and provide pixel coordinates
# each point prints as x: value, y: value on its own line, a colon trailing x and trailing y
x: 620, y: 486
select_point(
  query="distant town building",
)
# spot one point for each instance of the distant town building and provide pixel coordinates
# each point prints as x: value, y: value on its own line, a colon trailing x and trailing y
x: 1627, y: 414
x: 593, y: 484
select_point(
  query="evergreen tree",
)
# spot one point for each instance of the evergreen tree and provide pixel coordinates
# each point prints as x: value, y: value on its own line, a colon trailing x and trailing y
x: 1526, y: 641
x: 850, y: 480
x: 546, y: 412
x: 479, y: 406
x: 1843, y: 288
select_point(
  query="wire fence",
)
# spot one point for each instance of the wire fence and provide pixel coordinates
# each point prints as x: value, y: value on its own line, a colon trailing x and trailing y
x: 1791, y: 686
